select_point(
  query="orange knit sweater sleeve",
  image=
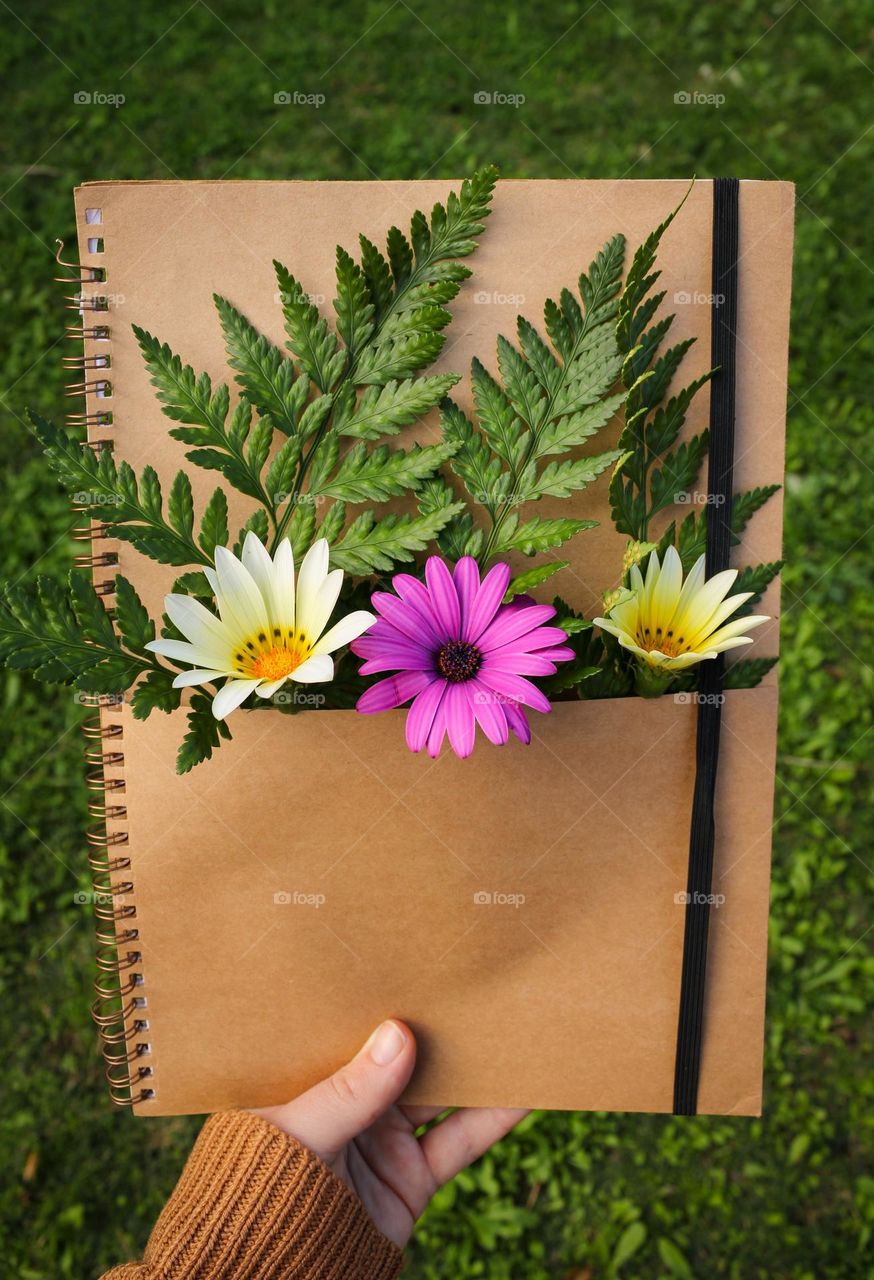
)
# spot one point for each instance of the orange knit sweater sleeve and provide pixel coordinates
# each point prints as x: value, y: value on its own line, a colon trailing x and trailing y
x: 252, y: 1202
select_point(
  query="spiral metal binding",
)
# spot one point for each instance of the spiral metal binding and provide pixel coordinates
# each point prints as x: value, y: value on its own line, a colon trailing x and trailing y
x: 118, y: 1009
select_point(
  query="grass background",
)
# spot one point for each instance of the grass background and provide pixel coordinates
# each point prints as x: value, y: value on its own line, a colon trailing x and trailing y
x: 571, y: 1196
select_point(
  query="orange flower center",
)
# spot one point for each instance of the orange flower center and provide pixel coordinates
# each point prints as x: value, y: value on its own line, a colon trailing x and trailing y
x: 272, y: 656
x: 665, y: 641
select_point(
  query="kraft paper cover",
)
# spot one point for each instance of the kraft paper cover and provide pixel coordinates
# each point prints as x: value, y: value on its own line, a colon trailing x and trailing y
x: 518, y: 908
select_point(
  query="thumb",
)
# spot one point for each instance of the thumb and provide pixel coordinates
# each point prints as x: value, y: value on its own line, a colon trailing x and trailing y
x: 336, y: 1110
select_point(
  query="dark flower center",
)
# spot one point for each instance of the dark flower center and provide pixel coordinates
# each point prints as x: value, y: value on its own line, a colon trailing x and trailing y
x: 458, y: 661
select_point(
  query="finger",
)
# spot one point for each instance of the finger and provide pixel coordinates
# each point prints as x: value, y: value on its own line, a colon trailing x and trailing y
x: 422, y: 1115
x: 464, y: 1136
x: 336, y: 1110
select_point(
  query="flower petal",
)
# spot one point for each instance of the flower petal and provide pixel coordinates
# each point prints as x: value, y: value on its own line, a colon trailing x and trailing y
x: 466, y: 579
x: 394, y: 691
x: 182, y: 651
x: 310, y: 580
x: 231, y: 695
x: 520, y: 664
x: 421, y: 714
x: 512, y: 623
x: 408, y: 618
x: 438, y: 731
x: 492, y: 590
x: 397, y: 658
x: 667, y: 588
x: 515, y: 687
x: 256, y: 559
x: 313, y: 611
x: 240, y: 603
x: 344, y: 631
x: 460, y: 720
x: 196, y: 623
x: 517, y: 721
x: 720, y: 614
x: 704, y: 603
x: 539, y: 638
x: 444, y: 597
x: 733, y: 629
x: 488, y: 707
x: 196, y: 675
x: 283, y: 583
x: 559, y: 653
x: 268, y: 690
x: 315, y: 670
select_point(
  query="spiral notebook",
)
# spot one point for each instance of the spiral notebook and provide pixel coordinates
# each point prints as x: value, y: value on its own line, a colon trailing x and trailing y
x: 521, y: 909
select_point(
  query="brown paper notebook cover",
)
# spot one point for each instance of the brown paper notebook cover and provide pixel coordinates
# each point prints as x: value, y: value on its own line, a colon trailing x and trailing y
x: 518, y: 908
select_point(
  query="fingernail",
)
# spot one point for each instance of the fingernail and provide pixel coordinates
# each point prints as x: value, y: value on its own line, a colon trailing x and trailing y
x: 386, y: 1043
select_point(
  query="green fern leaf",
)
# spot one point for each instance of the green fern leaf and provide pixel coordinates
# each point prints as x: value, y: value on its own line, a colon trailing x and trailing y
x: 66, y: 636
x: 214, y: 524
x: 302, y: 526
x: 353, y: 305
x: 562, y: 479
x: 745, y: 505
x: 371, y: 546
x: 386, y: 409
x: 266, y: 376
x: 155, y: 693
x: 135, y: 626
x: 538, y: 534
x: 282, y: 470
x: 205, y: 734
x: 533, y: 578
x: 309, y: 339
x: 375, y: 475
x: 115, y: 496
x: 194, y: 584
x: 333, y: 523
x: 755, y: 578
x: 747, y: 672
x: 676, y: 474
x: 257, y: 523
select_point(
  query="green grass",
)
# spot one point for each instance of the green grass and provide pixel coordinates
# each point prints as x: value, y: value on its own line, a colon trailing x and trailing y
x: 568, y: 1196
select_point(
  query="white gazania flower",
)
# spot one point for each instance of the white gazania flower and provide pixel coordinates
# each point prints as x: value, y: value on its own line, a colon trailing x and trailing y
x: 670, y: 624
x: 267, y: 632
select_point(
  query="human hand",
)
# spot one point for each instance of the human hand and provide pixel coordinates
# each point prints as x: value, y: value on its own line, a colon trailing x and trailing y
x: 352, y: 1122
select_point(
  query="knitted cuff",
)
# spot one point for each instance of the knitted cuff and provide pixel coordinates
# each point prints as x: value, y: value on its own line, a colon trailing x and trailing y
x: 252, y: 1202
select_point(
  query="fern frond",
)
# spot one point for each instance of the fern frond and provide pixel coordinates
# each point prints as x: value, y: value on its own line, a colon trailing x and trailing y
x: 548, y: 402
x: 133, y: 505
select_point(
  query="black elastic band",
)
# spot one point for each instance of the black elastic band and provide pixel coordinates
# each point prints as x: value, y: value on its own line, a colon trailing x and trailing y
x: 719, y: 487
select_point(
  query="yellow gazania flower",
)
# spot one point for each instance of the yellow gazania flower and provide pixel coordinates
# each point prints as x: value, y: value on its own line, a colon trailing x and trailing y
x: 269, y: 629
x: 669, y: 624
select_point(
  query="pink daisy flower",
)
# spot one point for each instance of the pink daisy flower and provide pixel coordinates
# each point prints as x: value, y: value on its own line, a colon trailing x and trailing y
x: 460, y: 655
